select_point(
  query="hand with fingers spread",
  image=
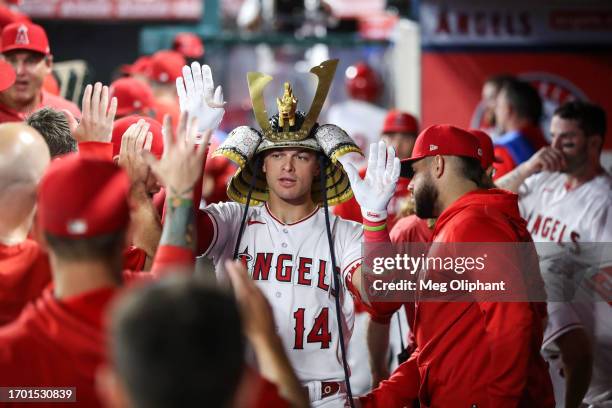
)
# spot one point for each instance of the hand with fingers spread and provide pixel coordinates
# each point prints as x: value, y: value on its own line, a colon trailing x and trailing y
x: 134, y: 141
x: 97, y: 117
x: 374, y: 192
x: 181, y: 163
x: 198, y: 96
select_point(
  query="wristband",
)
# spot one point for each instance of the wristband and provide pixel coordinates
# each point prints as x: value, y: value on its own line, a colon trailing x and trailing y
x: 375, y: 228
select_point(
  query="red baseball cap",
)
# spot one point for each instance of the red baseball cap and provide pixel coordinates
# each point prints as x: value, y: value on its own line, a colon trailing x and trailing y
x: 189, y: 45
x: 140, y: 66
x: 83, y: 197
x: 488, y: 156
x: 25, y: 36
x: 7, y: 75
x: 400, y: 122
x: 133, y: 95
x: 443, y: 140
x: 165, y: 66
x: 121, y: 125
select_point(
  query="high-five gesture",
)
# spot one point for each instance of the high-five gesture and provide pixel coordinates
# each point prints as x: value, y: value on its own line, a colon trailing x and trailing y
x: 97, y: 118
x: 198, y: 96
x: 374, y: 192
x: 134, y: 141
x: 181, y: 164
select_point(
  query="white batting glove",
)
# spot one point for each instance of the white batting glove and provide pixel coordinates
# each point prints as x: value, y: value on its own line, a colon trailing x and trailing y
x: 374, y: 192
x: 195, y: 91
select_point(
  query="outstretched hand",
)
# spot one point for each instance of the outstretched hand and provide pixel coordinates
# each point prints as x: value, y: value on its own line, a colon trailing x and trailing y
x: 181, y: 164
x: 374, y: 192
x: 198, y: 96
x: 136, y: 140
x: 97, y: 115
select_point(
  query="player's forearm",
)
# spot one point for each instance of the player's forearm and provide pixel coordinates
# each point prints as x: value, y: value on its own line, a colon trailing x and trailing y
x: 179, y: 228
x: 513, y: 180
x: 274, y: 365
x: 378, y: 347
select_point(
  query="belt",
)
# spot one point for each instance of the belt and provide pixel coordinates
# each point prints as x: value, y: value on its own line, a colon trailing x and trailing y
x: 328, y: 388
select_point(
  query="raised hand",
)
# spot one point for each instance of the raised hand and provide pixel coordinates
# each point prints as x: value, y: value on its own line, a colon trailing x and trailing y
x: 134, y: 141
x: 97, y: 115
x: 374, y: 192
x: 181, y: 164
x: 198, y: 96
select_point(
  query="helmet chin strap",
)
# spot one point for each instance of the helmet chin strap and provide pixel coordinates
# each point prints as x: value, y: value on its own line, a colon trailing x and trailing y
x: 322, y: 162
x: 246, y: 207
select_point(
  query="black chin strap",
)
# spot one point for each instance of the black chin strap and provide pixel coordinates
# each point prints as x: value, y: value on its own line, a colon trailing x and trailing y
x: 246, y: 207
x: 335, y: 274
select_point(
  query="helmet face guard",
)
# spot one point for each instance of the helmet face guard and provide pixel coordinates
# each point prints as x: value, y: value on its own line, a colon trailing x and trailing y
x: 288, y: 129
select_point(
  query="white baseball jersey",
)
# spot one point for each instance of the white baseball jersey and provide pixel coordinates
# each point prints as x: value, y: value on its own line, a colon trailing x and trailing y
x: 291, y: 264
x: 570, y: 221
x: 363, y: 122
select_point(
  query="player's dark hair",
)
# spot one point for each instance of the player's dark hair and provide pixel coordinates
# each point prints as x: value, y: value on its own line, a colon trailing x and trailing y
x: 98, y: 248
x: 524, y: 99
x: 178, y: 343
x: 499, y: 80
x: 54, y: 128
x: 591, y: 118
x: 471, y: 169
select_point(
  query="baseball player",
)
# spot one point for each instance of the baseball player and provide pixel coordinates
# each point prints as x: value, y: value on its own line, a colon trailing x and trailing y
x: 277, y: 228
x: 359, y: 115
x: 566, y: 197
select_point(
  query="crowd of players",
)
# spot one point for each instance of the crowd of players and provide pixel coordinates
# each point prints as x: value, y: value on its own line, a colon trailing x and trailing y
x: 105, y: 209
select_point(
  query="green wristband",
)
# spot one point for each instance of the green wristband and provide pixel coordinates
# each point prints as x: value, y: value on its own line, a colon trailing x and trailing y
x: 376, y: 228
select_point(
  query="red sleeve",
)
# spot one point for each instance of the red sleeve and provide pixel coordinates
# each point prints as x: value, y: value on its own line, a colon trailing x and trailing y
x: 349, y: 210
x: 507, y: 162
x: 400, y: 390
x: 167, y: 260
x: 97, y: 150
x: 134, y: 259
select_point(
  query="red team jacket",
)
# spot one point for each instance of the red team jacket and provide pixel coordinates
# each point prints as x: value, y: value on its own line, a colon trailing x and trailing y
x: 24, y: 273
x: 474, y: 354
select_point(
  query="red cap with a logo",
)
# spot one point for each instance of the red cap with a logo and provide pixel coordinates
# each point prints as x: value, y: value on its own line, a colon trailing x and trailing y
x: 121, y: 125
x: 488, y: 155
x: 443, y: 140
x: 400, y: 122
x: 83, y: 197
x: 133, y: 96
x: 166, y: 66
x: 25, y: 36
x: 188, y: 44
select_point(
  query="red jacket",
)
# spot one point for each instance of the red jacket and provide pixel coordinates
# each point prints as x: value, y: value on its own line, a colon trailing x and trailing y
x: 474, y: 354
x: 24, y: 273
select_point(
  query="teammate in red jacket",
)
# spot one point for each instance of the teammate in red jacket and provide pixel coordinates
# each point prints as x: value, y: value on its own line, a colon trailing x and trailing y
x: 472, y: 354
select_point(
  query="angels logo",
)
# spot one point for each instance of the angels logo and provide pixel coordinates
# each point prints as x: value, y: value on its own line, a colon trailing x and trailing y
x: 22, y: 35
x: 245, y: 258
x: 554, y: 91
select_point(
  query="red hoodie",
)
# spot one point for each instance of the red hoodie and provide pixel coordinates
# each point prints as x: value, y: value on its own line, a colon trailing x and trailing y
x: 474, y: 354
x: 56, y: 343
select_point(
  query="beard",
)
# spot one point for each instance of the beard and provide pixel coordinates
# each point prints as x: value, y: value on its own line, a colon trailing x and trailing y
x: 425, y: 200
x: 575, y: 162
